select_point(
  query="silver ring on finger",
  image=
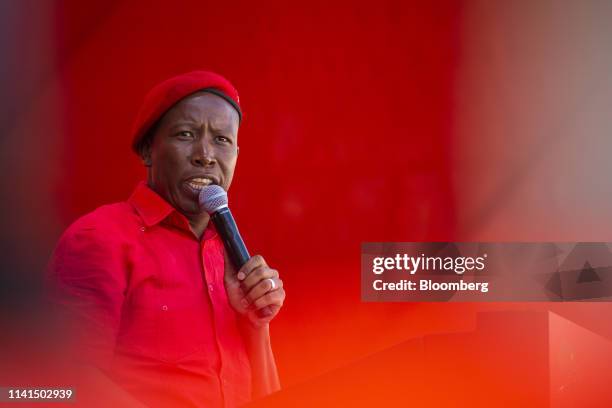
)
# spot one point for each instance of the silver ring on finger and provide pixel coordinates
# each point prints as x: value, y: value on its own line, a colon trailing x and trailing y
x: 272, y: 282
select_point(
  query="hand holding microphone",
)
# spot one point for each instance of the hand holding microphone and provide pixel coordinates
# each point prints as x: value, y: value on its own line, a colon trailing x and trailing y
x: 256, y: 289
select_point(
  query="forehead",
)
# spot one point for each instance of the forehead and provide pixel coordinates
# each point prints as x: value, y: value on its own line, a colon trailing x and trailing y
x: 200, y: 108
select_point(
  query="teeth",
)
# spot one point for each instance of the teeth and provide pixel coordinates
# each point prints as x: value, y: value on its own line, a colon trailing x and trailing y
x: 199, y: 182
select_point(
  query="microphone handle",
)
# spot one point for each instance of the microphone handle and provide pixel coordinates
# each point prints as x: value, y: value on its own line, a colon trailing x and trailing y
x: 234, y: 244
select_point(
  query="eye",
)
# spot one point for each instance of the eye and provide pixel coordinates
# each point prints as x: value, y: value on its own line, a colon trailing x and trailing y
x: 223, y: 139
x: 185, y: 134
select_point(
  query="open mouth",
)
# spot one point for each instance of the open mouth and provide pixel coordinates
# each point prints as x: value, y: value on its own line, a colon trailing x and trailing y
x: 198, y: 183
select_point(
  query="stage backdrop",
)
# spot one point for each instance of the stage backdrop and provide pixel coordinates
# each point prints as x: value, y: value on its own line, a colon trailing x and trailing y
x: 364, y: 121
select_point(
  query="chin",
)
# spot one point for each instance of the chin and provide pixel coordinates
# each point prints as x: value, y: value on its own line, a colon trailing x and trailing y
x: 192, y: 209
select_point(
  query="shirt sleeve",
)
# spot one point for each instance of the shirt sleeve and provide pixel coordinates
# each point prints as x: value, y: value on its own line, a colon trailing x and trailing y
x: 263, y: 366
x: 87, y: 279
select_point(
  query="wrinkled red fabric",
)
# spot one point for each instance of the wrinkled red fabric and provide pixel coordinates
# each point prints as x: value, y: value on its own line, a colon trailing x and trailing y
x: 150, y: 306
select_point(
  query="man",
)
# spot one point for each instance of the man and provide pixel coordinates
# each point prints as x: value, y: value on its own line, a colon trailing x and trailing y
x: 157, y: 304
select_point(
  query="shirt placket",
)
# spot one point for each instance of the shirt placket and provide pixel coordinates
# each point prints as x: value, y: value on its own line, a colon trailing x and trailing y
x: 216, y: 290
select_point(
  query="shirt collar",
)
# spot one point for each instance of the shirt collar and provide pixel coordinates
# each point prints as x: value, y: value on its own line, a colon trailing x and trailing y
x: 153, y: 209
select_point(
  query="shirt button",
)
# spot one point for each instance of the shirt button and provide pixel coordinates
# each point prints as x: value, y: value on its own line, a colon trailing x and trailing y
x: 164, y: 308
x: 210, y: 287
x: 143, y: 229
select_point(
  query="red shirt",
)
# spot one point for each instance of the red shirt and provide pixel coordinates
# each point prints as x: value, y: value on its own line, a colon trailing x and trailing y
x: 151, y: 304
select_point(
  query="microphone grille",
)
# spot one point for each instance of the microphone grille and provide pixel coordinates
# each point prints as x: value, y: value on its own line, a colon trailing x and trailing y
x: 212, y: 198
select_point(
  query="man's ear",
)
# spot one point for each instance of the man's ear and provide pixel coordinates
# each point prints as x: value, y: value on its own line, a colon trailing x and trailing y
x: 146, y: 160
x: 145, y: 154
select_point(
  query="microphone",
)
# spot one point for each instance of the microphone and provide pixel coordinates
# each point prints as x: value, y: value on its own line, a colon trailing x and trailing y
x: 213, y: 199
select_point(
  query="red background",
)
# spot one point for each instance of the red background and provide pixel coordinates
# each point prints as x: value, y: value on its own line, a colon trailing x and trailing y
x: 364, y: 121
x: 346, y: 137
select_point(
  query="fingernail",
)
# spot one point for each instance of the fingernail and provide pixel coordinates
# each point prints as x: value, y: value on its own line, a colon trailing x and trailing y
x: 245, y: 303
x: 240, y: 276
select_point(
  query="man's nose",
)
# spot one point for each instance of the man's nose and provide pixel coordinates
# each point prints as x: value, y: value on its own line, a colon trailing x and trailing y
x: 202, y: 154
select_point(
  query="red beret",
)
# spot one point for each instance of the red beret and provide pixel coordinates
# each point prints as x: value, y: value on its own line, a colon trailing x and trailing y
x: 166, y: 94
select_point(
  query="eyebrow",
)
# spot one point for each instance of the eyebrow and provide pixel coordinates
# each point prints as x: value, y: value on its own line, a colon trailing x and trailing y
x: 182, y: 123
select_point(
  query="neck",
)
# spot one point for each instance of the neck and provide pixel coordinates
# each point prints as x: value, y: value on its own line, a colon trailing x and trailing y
x: 198, y: 223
